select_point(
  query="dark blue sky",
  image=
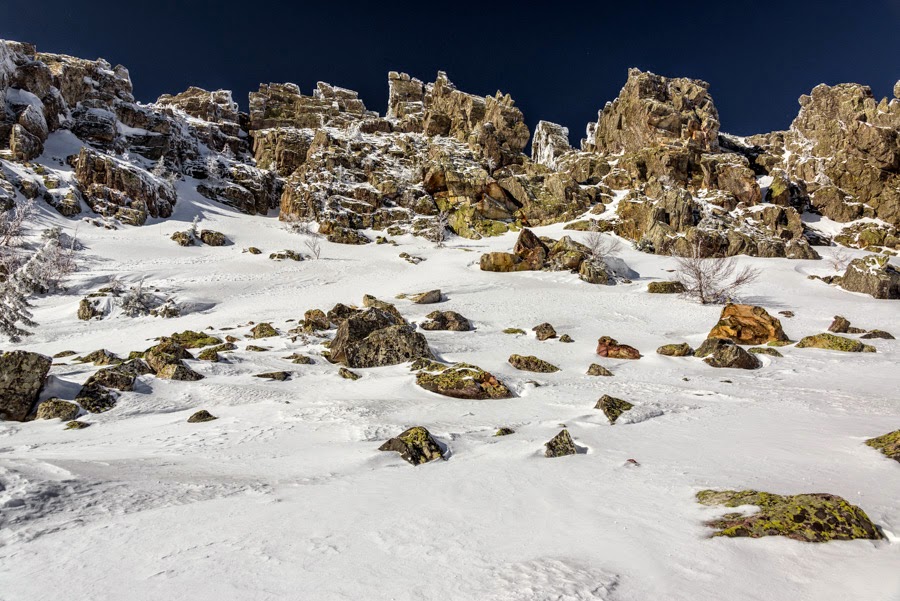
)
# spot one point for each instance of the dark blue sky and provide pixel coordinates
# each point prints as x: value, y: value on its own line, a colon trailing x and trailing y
x: 560, y: 63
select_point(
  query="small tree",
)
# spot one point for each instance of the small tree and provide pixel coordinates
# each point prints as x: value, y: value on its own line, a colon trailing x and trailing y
x: 314, y: 245
x: 137, y: 302
x: 212, y: 167
x: 714, y: 279
x: 600, y: 247
x: 15, y: 310
x: 840, y: 258
x: 12, y: 222
x: 159, y: 169
x: 195, y: 227
x: 440, y: 228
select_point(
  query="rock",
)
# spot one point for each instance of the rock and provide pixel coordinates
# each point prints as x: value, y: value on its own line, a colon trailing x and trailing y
x: 747, y: 324
x: 544, y: 331
x: 872, y: 275
x: 190, y: 339
x: 807, y: 517
x: 370, y: 301
x: 609, y: 347
x: 213, y: 238
x: 566, y: 338
x: 347, y: 374
x: 22, y: 376
x: 376, y: 338
x: 532, y: 363
x: 877, y: 334
x: 504, y: 432
x: 100, y: 357
x: 461, y: 381
x: 415, y: 445
x: 120, y: 377
x: 167, y: 352
x: 612, y: 407
x: 344, y: 235
x: 57, y: 408
x: 315, y: 320
x: 733, y: 356
x: 299, y: 359
x: 182, y: 372
x: 840, y: 325
x: 253, y: 250
x: 427, y: 298
x: 888, y: 444
x: 286, y: 255
x: 63, y: 354
x: 209, y: 354
x: 764, y: 350
x: 183, y: 238
x: 88, y: 310
x: 529, y: 254
x: 76, y: 425
x: 835, y: 343
x: 263, y: 330
x: 279, y: 376
x: 665, y: 287
x: 256, y: 349
x: 711, y: 345
x: 550, y: 142
x: 676, y: 350
x: 446, y: 320
x: 598, y: 370
x: 95, y: 398
x: 201, y: 416
x: 514, y: 331
x: 560, y: 445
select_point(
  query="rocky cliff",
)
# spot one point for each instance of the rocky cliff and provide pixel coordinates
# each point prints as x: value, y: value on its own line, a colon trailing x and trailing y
x: 654, y: 167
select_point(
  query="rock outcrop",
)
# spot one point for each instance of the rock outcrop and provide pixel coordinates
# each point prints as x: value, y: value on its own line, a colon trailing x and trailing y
x: 375, y: 337
x: 748, y: 324
x: 22, y: 376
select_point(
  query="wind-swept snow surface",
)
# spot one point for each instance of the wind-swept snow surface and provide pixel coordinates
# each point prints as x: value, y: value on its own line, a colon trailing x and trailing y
x: 286, y: 495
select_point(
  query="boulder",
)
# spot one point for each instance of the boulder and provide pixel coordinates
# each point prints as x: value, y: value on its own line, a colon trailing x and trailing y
x: 190, y: 339
x: 504, y: 432
x: 872, y: 334
x: 532, y: 363
x: 840, y: 325
x: 167, y: 352
x: 833, y: 342
x: 213, y: 238
x: 676, y: 350
x: 544, y: 331
x: 665, y: 287
x: 598, y: 370
x: 888, y: 444
x: 872, y: 275
x: 612, y: 407
x: 95, y: 398
x: 279, y: 376
x: 733, y: 356
x: 560, y: 445
x: 57, y: 409
x: 182, y: 372
x: 263, y: 330
x: 376, y: 338
x: 201, y: 416
x: 347, y: 374
x: 609, y: 347
x: 747, y: 324
x: 807, y: 517
x: 446, y: 320
x: 427, y: 298
x: 461, y: 381
x: 765, y: 350
x: 22, y: 376
x: 315, y: 320
x: 416, y: 445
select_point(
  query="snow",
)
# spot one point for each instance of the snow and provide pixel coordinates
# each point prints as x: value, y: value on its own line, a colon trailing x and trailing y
x: 286, y: 496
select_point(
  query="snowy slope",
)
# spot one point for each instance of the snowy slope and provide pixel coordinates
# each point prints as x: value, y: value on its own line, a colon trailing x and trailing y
x: 285, y: 496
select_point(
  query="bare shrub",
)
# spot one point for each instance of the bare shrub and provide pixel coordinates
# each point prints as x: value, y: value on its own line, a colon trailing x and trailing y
x: 839, y: 259
x: 12, y: 222
x: 715, y: 280
x: 440, y: 227
x: 601, y: 246
x: 314, y: 245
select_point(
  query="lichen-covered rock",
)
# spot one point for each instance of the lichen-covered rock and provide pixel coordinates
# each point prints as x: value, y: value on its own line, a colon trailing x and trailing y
x: 732, y: 356
x: 881, y: 334
x: 279, y: 376
x: 376, y: 338
x: 872, y: 275
x: 175, y: 371
x: 747, y: 324
x: 76, y: 425
x: 461, y: 381
x: 833, y: 342
x: 610, y: 347
x: 87, y: 310
x: 566, y: 338
x: 560, y: 445
x: 598, y: 370
x: 167, y: 352
x: 889, y: 444
x: 120, y: 377
x: 504, y: 431
x: 315, y: 320
x: 100, y: 357
x: 532, y: 363
x: 665, y: 287
x: 201, y: 416
x: 183, y: 238
x: 544, y: 331
x: 529, y: 254
x: 806, y: 517
x: 95, y: 398
x: 612, y: 407
x: 446, y: 320
x: 415, y: 445
x: 213, y: 238
x: 840, y: 325
x: 57, y: 409
x: 22, y: 376
x: 191, y: 339
x: 764, y: 350
x: 348, y: 375
x: 263, y: 330
x: 427, y: 298
x: 676, y: 350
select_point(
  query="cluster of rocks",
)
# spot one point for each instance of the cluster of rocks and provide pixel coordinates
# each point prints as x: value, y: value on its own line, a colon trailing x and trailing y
x: 654, y: 160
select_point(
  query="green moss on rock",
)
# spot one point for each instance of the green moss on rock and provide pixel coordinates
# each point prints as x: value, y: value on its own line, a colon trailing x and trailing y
x: 764, y: 350
x: 415, y: 445
x: 833, y: 342
x: 532, y: 363
x: 191, y: 339
x: 612, y: 407
x: 889, y: 444
x: 462, y: 381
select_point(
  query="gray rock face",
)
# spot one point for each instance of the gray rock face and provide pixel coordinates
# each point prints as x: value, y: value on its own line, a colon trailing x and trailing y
x: 728, y: 354
x: 872, y: 275
x: 376, y: 338
x: 22, y: 376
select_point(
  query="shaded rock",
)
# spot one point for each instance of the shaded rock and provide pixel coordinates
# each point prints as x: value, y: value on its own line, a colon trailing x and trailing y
x: 167, y: 352
x: 300, y: 359
x: 22, y: 376
x: 191, y: 339
x: 566, y: 338
x: 446, y: 320
x: 280, y: 376
x: 747, y: 324
x: 833, y: 342
x: 807, y: 517
x: 315, y: 320
x: 209, y: 354
x: 609, y: 347
x: 183, y: 238
x: 57, y: 408
x: 676, y: 350
x: 665, y: 287
x: 286, y: 255
x: 347, y: 374
x: 256, y: 349
x: 201, y: 416
x: 872, y: 275
x: 427, y: 298
x: 63, y: 354
x: 87, y: 310
x: 461, y: 381
x: 544, y: 331
x: 514, y: 331
x: 120, y: 377
x: 732, y: 356
x: 711, y: 345
x: 872, y: 334
x: 504, y: 432
x: 560, y: 445
x: 371, y: 338
x: 532, y: 363
x: 598, y: 370
x: 840, y: 325
x: 888, y: 444
x: 95, y: 398
x: 415, y: 445
x: 175, y: 371
x: 76, y: 425
x: 100, y: 357
x: 263, y: 330
x: 213, y: 238
x: 612, y: 407
x: 343, y: 235
x: 764, y: 350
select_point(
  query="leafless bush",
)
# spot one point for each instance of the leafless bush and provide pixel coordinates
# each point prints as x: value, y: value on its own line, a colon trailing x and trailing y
x: 712, y: 280
x: 12, y: 222
x: 839, y: 259
x: 600, y: 247
x: 314, y: 245
x: 137, y: 301
x: 440, y: 228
